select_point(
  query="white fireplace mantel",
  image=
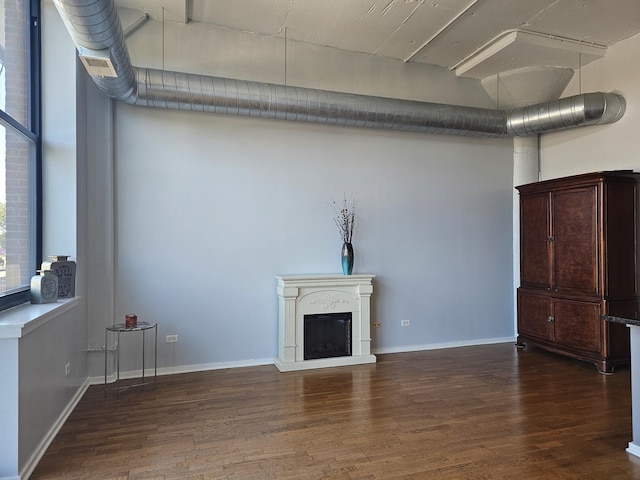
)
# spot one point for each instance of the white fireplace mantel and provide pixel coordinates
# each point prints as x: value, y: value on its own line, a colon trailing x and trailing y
x: 300, y: 295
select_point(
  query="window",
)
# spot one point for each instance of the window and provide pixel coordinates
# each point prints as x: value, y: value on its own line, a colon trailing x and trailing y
x: 20, y: 247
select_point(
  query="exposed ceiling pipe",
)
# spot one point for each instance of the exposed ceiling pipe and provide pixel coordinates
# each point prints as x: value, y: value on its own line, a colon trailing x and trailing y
x: 156, y: 88
x: 579, y: 110
x: 96, y: 30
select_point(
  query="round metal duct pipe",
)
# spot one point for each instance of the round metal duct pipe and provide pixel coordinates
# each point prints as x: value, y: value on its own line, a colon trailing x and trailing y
x: 164, y: 89
x: 580, y: 110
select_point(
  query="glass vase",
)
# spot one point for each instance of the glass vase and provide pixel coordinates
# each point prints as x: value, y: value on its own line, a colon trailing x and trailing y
x: 347, y: 258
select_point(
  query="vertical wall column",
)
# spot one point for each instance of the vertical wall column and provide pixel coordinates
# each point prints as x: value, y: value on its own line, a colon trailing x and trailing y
x: 526, y: 169
x: 101, y: 231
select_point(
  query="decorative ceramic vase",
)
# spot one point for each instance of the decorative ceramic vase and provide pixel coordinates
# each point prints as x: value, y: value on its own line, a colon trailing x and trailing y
x: 66, y: 271
x: 44, y: 287
x: 347, y: 258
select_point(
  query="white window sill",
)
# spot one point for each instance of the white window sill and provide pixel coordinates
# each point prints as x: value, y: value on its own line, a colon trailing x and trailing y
x: 18, y: 321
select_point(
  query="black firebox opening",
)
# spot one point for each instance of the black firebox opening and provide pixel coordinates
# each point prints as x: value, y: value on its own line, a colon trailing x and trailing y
x: 327, y: 335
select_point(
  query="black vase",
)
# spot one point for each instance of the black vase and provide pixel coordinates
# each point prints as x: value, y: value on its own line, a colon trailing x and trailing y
x: 347, y: 258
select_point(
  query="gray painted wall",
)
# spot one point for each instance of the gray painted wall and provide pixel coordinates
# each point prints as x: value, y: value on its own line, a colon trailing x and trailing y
x: 9, y: 407
x: 45, y: 390
x: 208, y: 209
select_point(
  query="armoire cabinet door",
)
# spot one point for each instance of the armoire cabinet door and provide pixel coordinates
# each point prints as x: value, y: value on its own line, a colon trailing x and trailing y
x: 575, y: 240
x: 578, y: 325
x: 534, y: 315
x: 535, y: 256
x: 574, y: 324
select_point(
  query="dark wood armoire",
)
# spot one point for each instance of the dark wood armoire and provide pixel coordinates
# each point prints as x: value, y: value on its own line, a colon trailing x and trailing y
x: 579, y: 260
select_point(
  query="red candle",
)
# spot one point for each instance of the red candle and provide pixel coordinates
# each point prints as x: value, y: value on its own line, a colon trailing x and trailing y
x: 130, y: 320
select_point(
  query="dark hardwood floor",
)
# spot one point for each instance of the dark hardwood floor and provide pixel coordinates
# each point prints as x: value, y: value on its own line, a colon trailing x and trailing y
x: 485, y: 412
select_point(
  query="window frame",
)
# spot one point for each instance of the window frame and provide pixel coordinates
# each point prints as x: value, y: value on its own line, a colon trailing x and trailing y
x: 32, y: 134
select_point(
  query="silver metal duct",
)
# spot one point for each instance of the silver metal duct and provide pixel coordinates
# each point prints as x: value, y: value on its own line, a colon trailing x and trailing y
x: 163, y: 89
x: 95, y: 28
x: 580, y: 110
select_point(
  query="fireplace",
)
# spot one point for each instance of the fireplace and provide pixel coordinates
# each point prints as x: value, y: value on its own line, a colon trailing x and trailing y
x: 324, y: 321
x: 327, y: 335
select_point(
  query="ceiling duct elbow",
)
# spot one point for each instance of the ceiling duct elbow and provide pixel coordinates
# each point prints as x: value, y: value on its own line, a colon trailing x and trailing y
x: 96, y: 31
x: 94, y: 25
x: 577, y: 111
x: 604, y: 107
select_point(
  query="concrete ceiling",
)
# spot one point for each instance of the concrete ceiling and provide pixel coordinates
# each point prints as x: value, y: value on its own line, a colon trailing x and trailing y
x: 480, y: 39
x: 475, y: 38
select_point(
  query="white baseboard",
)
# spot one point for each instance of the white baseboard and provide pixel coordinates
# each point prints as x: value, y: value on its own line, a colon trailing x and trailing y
x: 40, y: 450
x: 633, y: 449
x: 99, y: 380
x: 438, y: 346
x: 183, y: 369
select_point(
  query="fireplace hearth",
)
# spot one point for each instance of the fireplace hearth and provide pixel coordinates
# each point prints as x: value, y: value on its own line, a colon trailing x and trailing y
x: 336, y: 308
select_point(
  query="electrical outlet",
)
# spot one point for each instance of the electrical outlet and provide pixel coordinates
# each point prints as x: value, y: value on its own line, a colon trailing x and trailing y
x: 376, y: 324
x: 67, y: 368
x: 405, y: 323
x: 172, y: 339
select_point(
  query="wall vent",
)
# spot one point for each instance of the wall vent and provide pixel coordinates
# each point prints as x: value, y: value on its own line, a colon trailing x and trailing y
x: 97, y: 62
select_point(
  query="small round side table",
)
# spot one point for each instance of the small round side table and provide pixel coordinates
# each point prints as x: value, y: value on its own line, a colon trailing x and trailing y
x: 118, y: 329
